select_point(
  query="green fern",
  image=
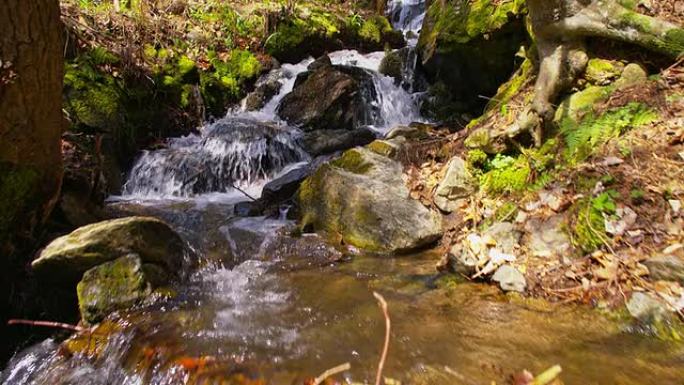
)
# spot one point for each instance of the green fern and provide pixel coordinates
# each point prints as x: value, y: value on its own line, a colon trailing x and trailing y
x: 583, y: 138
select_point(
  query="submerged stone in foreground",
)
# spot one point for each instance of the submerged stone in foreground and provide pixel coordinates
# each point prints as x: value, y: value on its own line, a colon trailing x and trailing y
x: 68, y: 257
x: 362, y: 198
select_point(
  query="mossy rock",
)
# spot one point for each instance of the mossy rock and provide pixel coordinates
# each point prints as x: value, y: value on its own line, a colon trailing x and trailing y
x: 19, y: 192
x: 361, y: 199
x: 601, y: 72
x: 66, y: 258
x: 117, y: 285
x: 471, y: 45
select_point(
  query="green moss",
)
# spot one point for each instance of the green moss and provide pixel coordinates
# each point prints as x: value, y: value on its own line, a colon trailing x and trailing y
x: 573, y: 108
x: 373, y: 29
x: 602, y: 72
x: 383, y: 147
x: 583, y: 138
x: 508, y: 175
x: 352, y: 161
x: 674, y: 41
x: 476, y: 158
x: 589, y: 230
x: 18, y: 189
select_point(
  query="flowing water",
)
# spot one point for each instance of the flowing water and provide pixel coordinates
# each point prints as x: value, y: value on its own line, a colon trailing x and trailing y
x: 265, y: 307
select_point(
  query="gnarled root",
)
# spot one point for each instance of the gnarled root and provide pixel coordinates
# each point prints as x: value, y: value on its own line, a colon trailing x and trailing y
x: 561, y: 26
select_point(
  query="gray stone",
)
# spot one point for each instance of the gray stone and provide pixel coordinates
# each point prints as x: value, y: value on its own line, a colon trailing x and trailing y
x: 547, y: 237
x: 506, y: 235
x: 458, y: 183
x: 647, y: 308
x: 510, y: 279
x: 666, y: 267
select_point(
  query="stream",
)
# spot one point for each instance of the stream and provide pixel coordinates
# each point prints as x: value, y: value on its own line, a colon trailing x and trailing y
x: 265, y: 307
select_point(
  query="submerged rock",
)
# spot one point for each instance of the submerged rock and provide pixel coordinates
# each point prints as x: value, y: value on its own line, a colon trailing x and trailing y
x: 117, y: 285
x: 68, y: 257
x: 330, y: 98
x: 362, y: 199
x: 458, y: 183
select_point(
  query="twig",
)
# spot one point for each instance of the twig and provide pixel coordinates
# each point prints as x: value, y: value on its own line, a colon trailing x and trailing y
x: 385, y: 348
x: 243, y: 192
x: 548, y: 376
x: 331, y: 372
x: 50, y: 324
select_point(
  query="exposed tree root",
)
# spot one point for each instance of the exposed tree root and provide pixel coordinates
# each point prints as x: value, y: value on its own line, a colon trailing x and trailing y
x: 560, y: 27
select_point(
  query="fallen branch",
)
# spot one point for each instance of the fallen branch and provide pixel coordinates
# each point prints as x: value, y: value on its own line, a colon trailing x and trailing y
x: 50, y: 324
x: 331, y: 372
x: 385, y: 348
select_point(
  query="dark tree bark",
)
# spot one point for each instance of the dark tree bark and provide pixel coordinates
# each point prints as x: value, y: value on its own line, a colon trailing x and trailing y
x: 560, y: 27
x: 31, y: 121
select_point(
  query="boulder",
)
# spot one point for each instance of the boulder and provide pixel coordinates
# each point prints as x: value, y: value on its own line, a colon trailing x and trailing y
x: 331, y: 98
x: 66, y: 258
x: 404, y: 67
x: 117, y: 285
x: 284, y: 187
x: 469, y: 46
x: 361, y: 199
x: 458, y: 183
x: 321, y: 142
x: 510, y: 279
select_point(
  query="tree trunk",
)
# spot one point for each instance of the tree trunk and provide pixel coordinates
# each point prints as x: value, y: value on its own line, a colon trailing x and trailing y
x: 560, y: 27
x: 31, y: 121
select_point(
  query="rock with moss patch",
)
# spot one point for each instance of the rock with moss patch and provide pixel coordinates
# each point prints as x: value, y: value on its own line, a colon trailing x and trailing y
x: 458, y: 183
x: 470, y: 45
x: 361, y: 198
x: 647, y: 308
x: 601, y: 72
x: 68, y: 257
x: 321, y: 142
x: 117, y: 285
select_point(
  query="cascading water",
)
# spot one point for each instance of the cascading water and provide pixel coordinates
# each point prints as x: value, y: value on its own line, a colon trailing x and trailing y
x: 407, y: 16
x: 232, y: 152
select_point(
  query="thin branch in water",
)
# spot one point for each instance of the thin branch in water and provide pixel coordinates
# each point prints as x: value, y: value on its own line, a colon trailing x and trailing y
x: 50, y: 324
x: 331, y: 372
x: 385, y: 348
x: 243, y: 192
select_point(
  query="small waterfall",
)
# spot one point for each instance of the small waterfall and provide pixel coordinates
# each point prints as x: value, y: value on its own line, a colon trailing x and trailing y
x: 407, y: 16
x: 396, y: 106
x: 230, y: 152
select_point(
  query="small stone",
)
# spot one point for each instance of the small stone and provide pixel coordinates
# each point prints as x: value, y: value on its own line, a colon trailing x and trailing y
x: 612, y: 161
x: 506, y: 236
x: 510, y: 279
x: 547, y: 237
x: 666, y: 267
x: 647, y: 308
x: 458, y: 183
x: 676, y: 205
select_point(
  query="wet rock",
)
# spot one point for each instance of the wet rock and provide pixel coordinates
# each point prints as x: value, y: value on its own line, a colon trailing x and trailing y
x: 389, y: 148
x: 265, y: 89
x: 547, y: 238
x: 321, y: 62
x: 403, y: 66
x: 249, y: 237
x: 510, y: 279
x: 66, y: 258
x: 647, y: 308
x: 458, y: 183
x: 362, y: 199
x: 469, y: 47
x: 284, y: 187
x: 321, y: 142
x: 306, y: 251
x: 117, y: 285
x: 330, y: 98
x: 667, y: 267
